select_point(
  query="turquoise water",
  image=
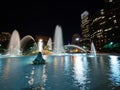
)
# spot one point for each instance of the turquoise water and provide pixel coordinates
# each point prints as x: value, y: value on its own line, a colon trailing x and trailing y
x: 63, y: 72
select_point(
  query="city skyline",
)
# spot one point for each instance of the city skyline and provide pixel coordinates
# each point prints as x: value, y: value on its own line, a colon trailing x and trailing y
x: 42, y: 18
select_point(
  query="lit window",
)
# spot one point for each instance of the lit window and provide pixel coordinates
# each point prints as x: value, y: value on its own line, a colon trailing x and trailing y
x: 110, y: 0
x: 110, y: 18
x: 102, y: 11
x: 115, y: 21
x: 103, y: 17
x: 114, y: 16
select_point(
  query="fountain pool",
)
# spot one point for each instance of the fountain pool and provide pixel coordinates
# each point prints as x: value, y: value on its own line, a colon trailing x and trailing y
x: 65, y: 72
x: 62, y: 71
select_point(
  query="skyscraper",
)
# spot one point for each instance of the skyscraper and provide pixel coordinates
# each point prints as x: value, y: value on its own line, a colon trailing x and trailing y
x: 105, y: 27
x: 85, y: 28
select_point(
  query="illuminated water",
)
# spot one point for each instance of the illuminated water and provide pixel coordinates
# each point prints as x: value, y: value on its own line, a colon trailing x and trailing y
x: 67, y: 72
x: 93, y: 50
x: 18, y: 47
x: 58, y: 41
x: 24, y: 42
x: 49, y: 44
x: 14, y: 44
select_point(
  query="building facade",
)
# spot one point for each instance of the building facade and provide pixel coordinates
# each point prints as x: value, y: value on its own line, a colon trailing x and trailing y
x: 85, y: 27
x: 105, y: 27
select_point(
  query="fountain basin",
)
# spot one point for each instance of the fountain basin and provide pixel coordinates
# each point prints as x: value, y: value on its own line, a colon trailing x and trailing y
x: 71, y: 71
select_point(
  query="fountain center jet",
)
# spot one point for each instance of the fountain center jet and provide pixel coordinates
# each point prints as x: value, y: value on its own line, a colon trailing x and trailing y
x: 58, y: 41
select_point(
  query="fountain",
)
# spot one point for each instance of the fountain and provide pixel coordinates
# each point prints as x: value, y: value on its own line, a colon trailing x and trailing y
x: 39, y: 59
x: 49, y: 44
x: 25, y: 40
x: 19, y: 47
x: 58, y: 41
x: 14, y: 44
x: 93, y: 50
x: 40, y: 45
x: 28, y: 45
x: 72, y: 71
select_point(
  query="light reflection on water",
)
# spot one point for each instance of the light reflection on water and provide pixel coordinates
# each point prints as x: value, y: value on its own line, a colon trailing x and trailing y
x: 114, y: 70
x: 80, y: 73
x: 69, y: 72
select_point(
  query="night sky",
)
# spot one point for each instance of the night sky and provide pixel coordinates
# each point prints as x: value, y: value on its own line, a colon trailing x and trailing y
x: 41, y: 18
